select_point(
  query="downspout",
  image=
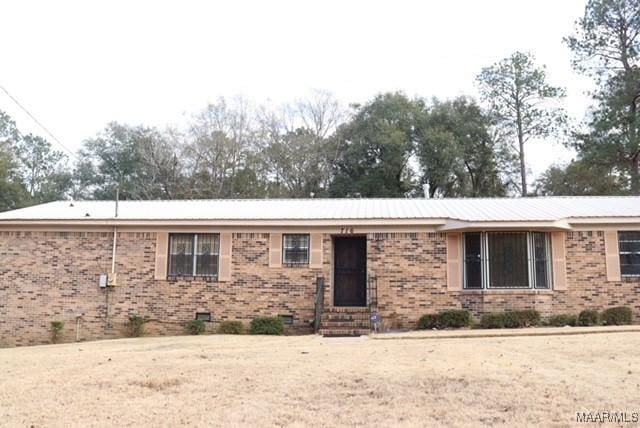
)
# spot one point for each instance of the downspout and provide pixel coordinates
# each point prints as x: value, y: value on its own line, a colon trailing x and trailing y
x: 113, y: 252
x: 115, y: 235
x: 113, y: 261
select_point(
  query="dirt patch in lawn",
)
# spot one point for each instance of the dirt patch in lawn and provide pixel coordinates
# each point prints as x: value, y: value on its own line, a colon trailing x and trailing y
x: 303, y: 381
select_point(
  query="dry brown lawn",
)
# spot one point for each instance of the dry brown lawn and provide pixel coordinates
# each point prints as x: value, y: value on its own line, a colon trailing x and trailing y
x: 310, y: 381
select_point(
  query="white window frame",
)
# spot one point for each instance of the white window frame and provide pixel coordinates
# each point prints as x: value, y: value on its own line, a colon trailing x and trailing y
x: 484, y: 262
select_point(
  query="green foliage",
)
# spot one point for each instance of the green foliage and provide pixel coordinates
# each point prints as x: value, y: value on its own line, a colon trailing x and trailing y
x: 606, y: 46
x: 12, y: 192
x: 309, y: 149
x: 457, y: 153
x: 454, y: 318
x: 619, y: 315
x: 374, y: 148
x: 56, y: 330
x: 141, y: 161
x: 231, y: 327
x: 43, y: 169
x: 562, y: 320
x: 195, y: 327
x: 428, y: 322
x: 596, y: 41
x: 526, y: 318
x: 135, y: 325
x: 577, y: 178
x: 492, y: 320
x: 267, y: 325
x: 522, y: 103
x: 514, y: 319
x: 588, y: 317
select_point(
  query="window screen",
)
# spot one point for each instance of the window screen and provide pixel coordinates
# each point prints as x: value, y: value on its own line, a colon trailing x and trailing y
x: 473, y: 260
x: 508, y: 260
x: 541, y: 260
x: 629, y: 243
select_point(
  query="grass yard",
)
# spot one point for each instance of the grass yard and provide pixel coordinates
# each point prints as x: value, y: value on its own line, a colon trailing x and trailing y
x: 310, y: 381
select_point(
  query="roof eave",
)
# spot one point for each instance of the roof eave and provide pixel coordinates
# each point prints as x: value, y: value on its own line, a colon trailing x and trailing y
x: 604, y: 220
x: 347, y: 222
x: 469, y: 226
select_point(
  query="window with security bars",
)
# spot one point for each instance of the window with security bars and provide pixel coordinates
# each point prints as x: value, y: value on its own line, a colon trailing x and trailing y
x: 194, y: 254
x: 295, y: 250
x: 629, y: 245
x: 507, y: 260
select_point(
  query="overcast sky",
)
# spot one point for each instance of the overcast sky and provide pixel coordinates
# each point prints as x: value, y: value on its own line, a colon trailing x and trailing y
x: 80, y: 64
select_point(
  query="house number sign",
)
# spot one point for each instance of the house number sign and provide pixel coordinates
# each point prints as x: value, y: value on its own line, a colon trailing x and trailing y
x: 346, y: 230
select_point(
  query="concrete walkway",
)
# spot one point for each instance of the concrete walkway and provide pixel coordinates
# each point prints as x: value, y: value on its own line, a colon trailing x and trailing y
x: 533, y: 331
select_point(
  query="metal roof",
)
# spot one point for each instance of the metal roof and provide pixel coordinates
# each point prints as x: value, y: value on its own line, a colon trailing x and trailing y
x: 468, y: 210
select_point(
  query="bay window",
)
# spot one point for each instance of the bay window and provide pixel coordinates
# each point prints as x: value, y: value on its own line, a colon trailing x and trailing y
x: 504, y: 260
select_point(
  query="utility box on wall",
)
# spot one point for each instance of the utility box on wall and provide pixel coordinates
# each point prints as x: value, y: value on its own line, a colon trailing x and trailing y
x: 108, y: 280
x: 112, y: 279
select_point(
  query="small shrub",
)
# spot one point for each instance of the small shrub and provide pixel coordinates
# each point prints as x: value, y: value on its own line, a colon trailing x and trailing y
x: 453, y: 318
x: 428, y: 322
x: 514, y: 319
x: 135, y: 325
x: 620, y: 315
x: 267, y: 325
x: 56, y: 330
x: 561, y: 320
x: 231, y: 327
x: 492, y: 320
x: 588, y: 317
x: 527, y: 318
x: 195, y: 327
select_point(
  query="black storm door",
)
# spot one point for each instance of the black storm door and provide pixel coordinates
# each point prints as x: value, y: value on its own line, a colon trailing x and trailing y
x: 350, y: 271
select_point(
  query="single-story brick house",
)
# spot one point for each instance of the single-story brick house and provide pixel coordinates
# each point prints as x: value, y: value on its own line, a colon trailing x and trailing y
x: 95, y: 263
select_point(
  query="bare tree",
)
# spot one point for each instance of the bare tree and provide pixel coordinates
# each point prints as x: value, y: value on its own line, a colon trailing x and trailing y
x: 221, y: 142
x: 321, y: 113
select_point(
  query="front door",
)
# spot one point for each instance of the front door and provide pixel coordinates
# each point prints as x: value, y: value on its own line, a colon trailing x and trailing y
x: 350, y: 271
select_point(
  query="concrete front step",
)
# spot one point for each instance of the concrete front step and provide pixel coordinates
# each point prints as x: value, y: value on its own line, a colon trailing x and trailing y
x: 342, y: 332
